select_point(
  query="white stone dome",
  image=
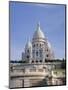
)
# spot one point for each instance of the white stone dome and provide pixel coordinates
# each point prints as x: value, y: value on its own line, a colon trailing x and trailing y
x: 28, y: 45
x: 49, y: 47
x: 48, y: 44
x: 38, y: 33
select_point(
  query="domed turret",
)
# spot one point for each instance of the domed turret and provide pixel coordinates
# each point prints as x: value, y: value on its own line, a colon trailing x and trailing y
x: 50, y: 51
x: 38, y: 33
x: 48, y: 44
x: 28, y: 51
x: 28, y: 45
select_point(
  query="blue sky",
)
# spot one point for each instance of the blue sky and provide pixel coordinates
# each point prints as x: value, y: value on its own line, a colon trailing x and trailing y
x: 23, y: 21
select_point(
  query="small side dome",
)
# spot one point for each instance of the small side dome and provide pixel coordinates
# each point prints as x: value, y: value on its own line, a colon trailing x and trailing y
x: 49, y: 45
x: 50, y: 48
x: 28, y: 45
x: 38, y: 33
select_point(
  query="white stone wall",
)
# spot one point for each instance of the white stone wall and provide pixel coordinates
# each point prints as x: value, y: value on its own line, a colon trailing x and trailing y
x: 14, y: 83
x: 36, y: 47
x: 57, y: 81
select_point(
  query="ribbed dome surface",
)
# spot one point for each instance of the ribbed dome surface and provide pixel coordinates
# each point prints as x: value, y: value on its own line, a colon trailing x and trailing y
x: 38, y: 33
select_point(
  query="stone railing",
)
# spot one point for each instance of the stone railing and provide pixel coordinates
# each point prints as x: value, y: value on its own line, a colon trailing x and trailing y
x: 26, y: 72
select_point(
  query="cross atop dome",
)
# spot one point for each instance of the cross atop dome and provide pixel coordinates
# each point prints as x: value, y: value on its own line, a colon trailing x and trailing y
x: 38, y: 26
x: 39, y: 23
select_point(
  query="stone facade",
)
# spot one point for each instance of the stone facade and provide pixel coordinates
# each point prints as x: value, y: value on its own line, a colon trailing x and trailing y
x: 39, y: 49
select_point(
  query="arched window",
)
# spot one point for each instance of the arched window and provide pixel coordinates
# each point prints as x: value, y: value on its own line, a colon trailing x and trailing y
x: 45, y: 59
x: 33, y: 53
x: 47, y: 55
x: 27, y: 57
x: 37, y: 45
x: 32, y: 61
x: 40, y: 53
x: 28, y: 50
x: 40, y: 60
x: 36, y: 61
x: 36, y: 53
x: 34, y: 45
x: 40, y: 45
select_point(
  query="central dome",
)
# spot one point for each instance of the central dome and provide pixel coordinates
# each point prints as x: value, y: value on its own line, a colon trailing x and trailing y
x: 38, y: 33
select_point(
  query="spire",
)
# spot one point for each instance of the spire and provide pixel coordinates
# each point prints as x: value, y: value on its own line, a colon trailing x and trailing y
x: 38, y: 26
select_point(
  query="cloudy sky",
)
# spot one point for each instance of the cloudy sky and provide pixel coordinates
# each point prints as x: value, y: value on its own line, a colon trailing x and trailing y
x: 23, y: 21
